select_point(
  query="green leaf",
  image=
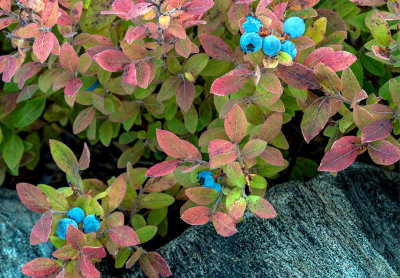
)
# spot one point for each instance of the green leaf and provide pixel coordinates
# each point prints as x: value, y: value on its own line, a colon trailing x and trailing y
x: 122, y: 256
x: 30, y: 112
x: 138, y: 221
x: 156, y: 200
x: 92, y: 21
x: 106, y: 132
x: 13, y: 150
x: 58, y: 202
x: 156, y: 216
x: 196, y: 63
x: 63, y: 157
x: 380, y: 29
x: 258, y: 182
x: 146, y: 233
x: 235, y: 175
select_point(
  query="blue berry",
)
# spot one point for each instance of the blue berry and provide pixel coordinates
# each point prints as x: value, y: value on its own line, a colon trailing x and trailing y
x: 91, y: 223
x: 289, y: 48
x: 202, y: 176
x: 294, y: 26
x: 250, y: 42
x: 63, y: 226
x: 76, y: 214
x: 252, y: 25
x: 271, y: 45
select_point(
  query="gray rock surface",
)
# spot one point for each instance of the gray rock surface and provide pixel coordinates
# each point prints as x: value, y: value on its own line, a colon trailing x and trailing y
x: 16, y: 222
x: 346, y: 226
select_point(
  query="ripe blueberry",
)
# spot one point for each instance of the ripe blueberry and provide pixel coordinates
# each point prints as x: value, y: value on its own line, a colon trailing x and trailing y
x: 91, y: 223
x: 289, y: 48
x: 76, y: 214
x: 250, y: 42
x: 294, y: 26
x: 252, y: 25
x: 271, y: 45
x: 63, y: 226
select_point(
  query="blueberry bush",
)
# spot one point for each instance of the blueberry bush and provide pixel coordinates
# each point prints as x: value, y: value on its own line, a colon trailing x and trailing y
x: 209, y: 93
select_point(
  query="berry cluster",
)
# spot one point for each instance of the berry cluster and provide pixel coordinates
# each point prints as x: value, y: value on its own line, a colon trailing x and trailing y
x: 91, y: 223
x: 206, y: 179
x: 252, y: 41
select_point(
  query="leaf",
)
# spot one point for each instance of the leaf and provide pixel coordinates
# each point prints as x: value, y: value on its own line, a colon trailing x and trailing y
x: 84, y: 160
x: 185, y: 95
x: 30, y: 112
x: 216, y: 47
x: 123, y: 235
x: 315, y: 118
x: 65, y: 253
x: 196, y: 215
x: 328, y: 78
x: 83, y: 120
x: 94, y: 252
x: 40, y: 267
x: 42, y: 228
x: 298, y: 76
x: 13, y: 150
x: 117, y: 193
x: 129, y: 75
x: 298, y: 5
x: 394, y: 87
x: 383, y: 152
x: 134, y: 258
x: 75, y: 237
x: 43, y: 45
x: 63, y: 157
x: 92, y: 21
x: 377, y: 130
x: 380, y: 29
x: 237, y: 209
x: 111, y: 60
x: 168, y: 88
x: 143, y: 73
x: 231, y: 82
x: 235, y: 175
x: 317, y: 30
x: 224, y: 224
x: 73, y: 86
x: 32, y: 197
x: 272, y: 156
x: 183, y: 47
x: 146, y: 233
x: 163, y: 168
x: 10, y: 66
x: 196, y: 63
x: 198, y: 7
x: 202, y: 195
x: 147, y: 267
x: 68, y: 58
x: 50, y: 14
x: 253, y: 148
x: 156, y: 200
x: 221, y: 152
x: 88, y: 269
x: 158, y: 262
x: 236, y: 124
x: 368, y: 2
x: 339, y: 60
x: 173, y: 146
x: 160, y: 184
x: 342, y: 154
x: 260, y: 207
x: 316, y: 55
x: 271, y: 127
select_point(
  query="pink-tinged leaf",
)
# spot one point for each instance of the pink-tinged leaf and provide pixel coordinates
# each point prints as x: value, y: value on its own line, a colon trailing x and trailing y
x: 5, y: 5
x: 272, y: 156
x: 91, y: 52
x: 196, y: 215
x: 63, y: 18
x: 185, y: 95
x: 111, y: 60
x: 73, y: 86
x: 40, y: 267
x: 253, y: 148
x: 342, y: 154
x: 231, y: 82
x: 42, y: 228
x: 216, y: 47
x: 88, y: 269
x: 183, y: 47
x: 202, y: 195
x: 139, y: 9
x: 298, y: 76
x: 176, y: 29
x: 383, y: 152
x: 302, y: 43
x: 198, y: 7
x: 117, y: 192
x: 173, y: 146
x: 134, y: 258
x: 75, y: 238
x: 236, y: 124
x: 377, y: 130
x: 83, y: 120
x: 147, y: 267
x: 9, y: 69
x: 159, y: 184
x: 271, y: 127
x: 122, y: 7
x: 362, y: 117
x: 50, y: 14
x: 224, y: 224
x: 237, y: 209
x: 65, y: 253
x: 143, y: 73
x: 159, y: 264
x: 236, y: 13
x: 339, y: 60
x: 33, y: 198
x: 316, y: 55
x: 68, y: 58
x: 123, y: 235
x: 381, y: 52
x: 56, y: 45
x: 298, y: 5
x: 280, y: 9
x: 221, y: 152
x: 315, y: 118
x: 260, y: 207
x: 368, y: 2
x: 76, y: 12
x: 94, y: 252
x: 43, y: 46
x: 5, y: 22
x: 163, y: 168
x: 84, y: 160
x: 135, y: 33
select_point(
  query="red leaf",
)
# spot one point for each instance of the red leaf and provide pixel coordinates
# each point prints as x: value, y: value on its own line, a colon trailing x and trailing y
x: 260, y: 207
x: 33, y: 198
x: 5, y: 5
x: 316, y: 55
x: 315, y: 118
x: 221, y: 152
x: 10, y: 65
x: 198, y: 7
x: 298, y: 76
x: 139, y: 9
x: 339, y: 60
x: 143, y: 75
x: 76, y: 12
x: 123, y: 235
x: 40, y: 267
x: 159, y: 264
x: 111, y: 60
x: 368, y: 2
x: 50, y: 14
x: 163, y: 168
x: 231, y: 82
x: 88, y: 269
x: 173, y: 146
x: 377, y: 130
x: 84, y: 160
x: 117, y: 192
x: 342, y: 154
x: 42, y: 228
x: 75, y: 238
x: 5, y: 22
x: 216, y: 47
x: 183, y: 47
x: 271, y: 127
x: 224, y: 224
x: 68, y: 58
x: 122, y: 7
x: 196, y: 215
x: 272, y: 156
x: 147, y: 267
x: 43, y: 46
x: 237, y: 209
x: 73, y: 86
x: 94, y: 252
x: 185, y: 95
x: 236, y: 124
x: 129, y: 75
x: 383, y: 152
x: 134, y: 33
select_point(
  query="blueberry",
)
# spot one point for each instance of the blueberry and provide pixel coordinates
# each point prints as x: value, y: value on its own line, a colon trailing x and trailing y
x: 76, y: 214
x: 294, y: 26
x: 63, y: 226
x: 289, y: 48
x: 91, y: 223
x: 271, y: 45
x: 252, y: 24
x: 250, y: 42
x: 202, y: 175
